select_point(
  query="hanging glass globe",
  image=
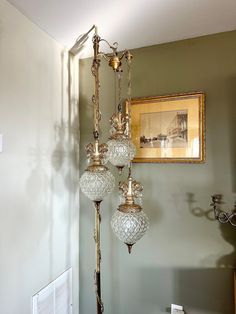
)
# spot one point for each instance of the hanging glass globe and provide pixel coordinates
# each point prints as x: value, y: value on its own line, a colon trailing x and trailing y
x: 129, y: 227
x: 96, y: 182
x: 120, y: 151
x: 129, y: 222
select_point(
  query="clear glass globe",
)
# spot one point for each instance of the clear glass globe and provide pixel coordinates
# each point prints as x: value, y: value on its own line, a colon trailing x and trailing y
x: 97, y: 184
x: 129, y: 227
x: 120, y: 151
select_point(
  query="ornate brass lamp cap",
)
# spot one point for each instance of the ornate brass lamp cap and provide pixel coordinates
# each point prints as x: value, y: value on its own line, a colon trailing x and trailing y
x: 115, y: 63
x: 129, y: 208
x: 96, y: 168
x: 118, y: 123
x: 96, y: 153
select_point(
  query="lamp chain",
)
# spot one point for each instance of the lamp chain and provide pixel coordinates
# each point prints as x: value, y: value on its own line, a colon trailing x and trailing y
x: 128, y: 59
x: 119, y: 89
x: 115, y: 84
x: 95, y: 97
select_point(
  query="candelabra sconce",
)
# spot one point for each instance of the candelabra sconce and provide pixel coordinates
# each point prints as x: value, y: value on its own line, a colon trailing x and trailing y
x: 220, y: 215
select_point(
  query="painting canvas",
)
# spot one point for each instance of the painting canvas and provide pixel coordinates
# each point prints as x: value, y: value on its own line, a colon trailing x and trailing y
x: 168, y: 128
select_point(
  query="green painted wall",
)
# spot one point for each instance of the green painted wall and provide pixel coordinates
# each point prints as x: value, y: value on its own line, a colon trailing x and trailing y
x: 186, y: 257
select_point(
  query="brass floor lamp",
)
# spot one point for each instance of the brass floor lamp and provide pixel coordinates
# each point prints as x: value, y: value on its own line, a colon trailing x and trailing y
x: 129, y: 222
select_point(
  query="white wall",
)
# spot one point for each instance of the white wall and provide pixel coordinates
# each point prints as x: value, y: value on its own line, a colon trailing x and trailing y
x: 38, y: 209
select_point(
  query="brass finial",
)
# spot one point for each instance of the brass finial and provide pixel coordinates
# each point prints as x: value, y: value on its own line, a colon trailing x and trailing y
x: 96, y: 153
x: 120, y: 168
x: 118, y: 123
x: 129, y: 247
x: 128, y: 55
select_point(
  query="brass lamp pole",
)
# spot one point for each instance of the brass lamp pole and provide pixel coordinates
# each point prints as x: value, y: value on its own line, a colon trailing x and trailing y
x: 100, y: 307
x: 97, y: 118
x: 96, y: 153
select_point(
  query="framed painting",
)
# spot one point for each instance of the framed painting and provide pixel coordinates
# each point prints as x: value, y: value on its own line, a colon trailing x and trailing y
x: 169, y: 128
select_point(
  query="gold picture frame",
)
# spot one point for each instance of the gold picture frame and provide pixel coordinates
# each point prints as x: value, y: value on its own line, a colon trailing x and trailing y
x: 169, y: 128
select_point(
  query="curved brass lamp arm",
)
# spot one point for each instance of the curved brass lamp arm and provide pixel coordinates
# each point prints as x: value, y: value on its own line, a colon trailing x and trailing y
x: 123, y: 54
x: 104, y: 55
x: 113, y: 47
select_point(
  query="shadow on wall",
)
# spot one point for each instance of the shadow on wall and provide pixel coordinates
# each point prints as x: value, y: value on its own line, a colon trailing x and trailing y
x: 67, y: 132
x: 198, y: 211
x: 232, y: 129
x: 198, y: 290
x: 65, y: 156
x: 66, y: 151
x: 53, y: 171
x: 228, y: 232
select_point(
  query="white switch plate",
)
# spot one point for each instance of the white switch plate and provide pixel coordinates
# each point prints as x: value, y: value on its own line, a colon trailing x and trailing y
x: 0, y: 143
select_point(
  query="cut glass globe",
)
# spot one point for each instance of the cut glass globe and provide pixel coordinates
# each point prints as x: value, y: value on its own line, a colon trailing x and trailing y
x: 97, y: 183
x: 129, y: 227
x: 120, y: 151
